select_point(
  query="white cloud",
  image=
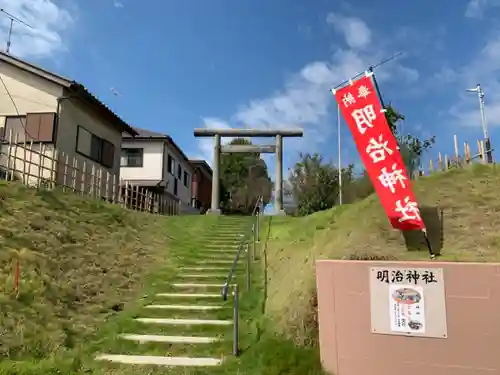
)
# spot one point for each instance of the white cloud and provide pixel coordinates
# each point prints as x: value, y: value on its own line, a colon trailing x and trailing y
x: 117, y: 4
x: 49, y: 21
x: 206, y: 145
x: 305, y: 100
x: 483, y: 69
x: 476, y: 8
x: 356, y: 32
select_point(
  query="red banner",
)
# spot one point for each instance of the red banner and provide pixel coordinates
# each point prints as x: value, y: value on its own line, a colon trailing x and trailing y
x: 379, y: 151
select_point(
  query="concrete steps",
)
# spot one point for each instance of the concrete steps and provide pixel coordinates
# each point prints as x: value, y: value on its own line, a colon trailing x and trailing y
x: 159, y: 360
x: 184, y: 307
x: 189, y: 295
x: 189, y: 322
x: 188, y: 319
x: 221, y: 269
x: 170, y: 339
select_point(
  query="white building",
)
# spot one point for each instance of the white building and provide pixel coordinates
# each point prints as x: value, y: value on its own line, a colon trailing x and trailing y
x: 153, y: 160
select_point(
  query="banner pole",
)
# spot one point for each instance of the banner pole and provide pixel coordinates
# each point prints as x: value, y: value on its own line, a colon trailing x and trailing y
x: 431, y: 252
x: 377, y: 87
x: 363, y: 72
x: 339, y: 154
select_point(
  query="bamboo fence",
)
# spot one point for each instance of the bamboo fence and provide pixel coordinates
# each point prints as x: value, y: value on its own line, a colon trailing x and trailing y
x: 41, y: 165
x: 456, y: 160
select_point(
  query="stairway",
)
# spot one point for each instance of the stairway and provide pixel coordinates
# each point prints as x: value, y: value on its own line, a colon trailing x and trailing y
x: 188, y: 324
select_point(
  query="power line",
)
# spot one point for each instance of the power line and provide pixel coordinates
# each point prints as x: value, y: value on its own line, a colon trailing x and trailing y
x: 23, y: 124
x: 12, y: 20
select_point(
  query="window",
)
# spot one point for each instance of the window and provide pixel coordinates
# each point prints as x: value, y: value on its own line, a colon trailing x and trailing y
x: 176, y: 186
x: 15, y: 128
x: 179, y: 171
x: 186, y: 179
x: 171, y: 165
x: 34, y: 126
x: 95, y: 148
x: 132, y: 157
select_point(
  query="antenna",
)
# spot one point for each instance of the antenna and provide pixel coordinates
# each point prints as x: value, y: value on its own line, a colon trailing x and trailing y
x: 12, y: 20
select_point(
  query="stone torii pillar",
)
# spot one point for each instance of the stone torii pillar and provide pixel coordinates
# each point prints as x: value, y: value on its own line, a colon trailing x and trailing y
x: 245, y: 133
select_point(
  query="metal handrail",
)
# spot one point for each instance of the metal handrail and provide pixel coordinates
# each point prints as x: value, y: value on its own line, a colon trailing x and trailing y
x: 241, y: 246
x: 253, y: 232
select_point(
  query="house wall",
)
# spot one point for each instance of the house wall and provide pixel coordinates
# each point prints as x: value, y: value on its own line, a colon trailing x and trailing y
x: 152, y: 161
x: 31, y: 163
x: 203, y: 189
x: 183, y: 192
x: 30, y: 92
x: 71, y: 115
x: 33, y: 94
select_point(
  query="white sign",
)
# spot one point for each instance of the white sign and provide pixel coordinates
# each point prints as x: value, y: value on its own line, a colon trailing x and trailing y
x: 407, y: 308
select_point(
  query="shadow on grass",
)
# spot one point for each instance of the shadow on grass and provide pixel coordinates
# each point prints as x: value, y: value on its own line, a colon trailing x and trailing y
x: 433, y: 218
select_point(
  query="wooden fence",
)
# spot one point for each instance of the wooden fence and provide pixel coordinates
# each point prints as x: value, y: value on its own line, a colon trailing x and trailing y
x: 43, y: 166
x: 457, y: 160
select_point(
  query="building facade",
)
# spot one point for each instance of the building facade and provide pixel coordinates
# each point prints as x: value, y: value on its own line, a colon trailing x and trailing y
x: 154, y: 160
x: 44, y: 108
x: 202, y: 185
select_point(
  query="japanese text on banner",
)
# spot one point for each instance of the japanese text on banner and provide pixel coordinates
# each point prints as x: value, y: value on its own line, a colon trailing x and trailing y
x: 379, y: 151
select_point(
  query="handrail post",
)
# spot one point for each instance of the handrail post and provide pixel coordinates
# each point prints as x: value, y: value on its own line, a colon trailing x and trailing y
x: 247, y: 279
x: 235, y: 322
x: 257, y: 223
x: 254, y: 240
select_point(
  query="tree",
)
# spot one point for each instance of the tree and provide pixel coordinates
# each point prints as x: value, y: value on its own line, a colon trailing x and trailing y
x: 244, y: 177
x: 315, y: 184
x: 412, y: 148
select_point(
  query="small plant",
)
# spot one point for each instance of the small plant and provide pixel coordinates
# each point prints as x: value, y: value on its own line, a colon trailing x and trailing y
x: 456, y: 164
x: 361, y: 256
x: 45, y: 183
x: 5, y: 174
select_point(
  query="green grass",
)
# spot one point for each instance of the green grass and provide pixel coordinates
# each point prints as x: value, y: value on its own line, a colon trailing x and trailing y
x: 89, y: 268
x: 81, y: 261
x: 468, y: 231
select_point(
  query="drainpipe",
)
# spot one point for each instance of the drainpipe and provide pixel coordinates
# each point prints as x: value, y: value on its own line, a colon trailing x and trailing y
x: 58, y: 110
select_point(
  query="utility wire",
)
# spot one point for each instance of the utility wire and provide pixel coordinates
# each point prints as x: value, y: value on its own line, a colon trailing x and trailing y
x: 23, y: 124
x: 12, y: 20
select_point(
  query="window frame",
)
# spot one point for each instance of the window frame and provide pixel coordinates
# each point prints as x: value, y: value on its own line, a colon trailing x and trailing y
x: 22, y: 118
x: 28, y: 134
x: 95, y: 139
x: 186, y: 178
x: 176, y: 187
x: 171, y: 165
x: 179, y: 171
x: 141, y: 149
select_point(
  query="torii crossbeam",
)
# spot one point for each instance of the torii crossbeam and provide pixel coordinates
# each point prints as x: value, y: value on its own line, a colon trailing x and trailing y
x: 243, y: 133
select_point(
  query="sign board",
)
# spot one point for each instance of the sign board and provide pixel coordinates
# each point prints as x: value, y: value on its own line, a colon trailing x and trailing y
x: 408, y: 301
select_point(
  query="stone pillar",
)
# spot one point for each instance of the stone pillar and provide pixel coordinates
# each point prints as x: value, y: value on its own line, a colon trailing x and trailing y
x: 278, y: 188
x: 215, y: 207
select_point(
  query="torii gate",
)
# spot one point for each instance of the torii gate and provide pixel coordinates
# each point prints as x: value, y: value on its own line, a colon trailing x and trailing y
x: 269, y: 149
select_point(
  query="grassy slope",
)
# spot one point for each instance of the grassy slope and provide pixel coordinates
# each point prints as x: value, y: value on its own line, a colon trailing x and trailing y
x: 81, y: 261
x: 471, y: 222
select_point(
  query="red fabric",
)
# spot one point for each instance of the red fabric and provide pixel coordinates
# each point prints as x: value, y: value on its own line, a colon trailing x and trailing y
x: 377, y: 146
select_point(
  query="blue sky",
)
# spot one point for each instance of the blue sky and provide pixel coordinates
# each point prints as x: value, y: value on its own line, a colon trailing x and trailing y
x: 178, y: 65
